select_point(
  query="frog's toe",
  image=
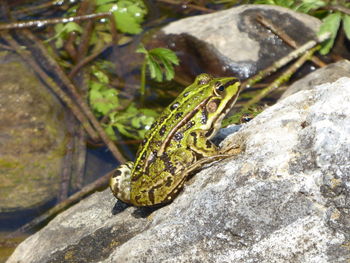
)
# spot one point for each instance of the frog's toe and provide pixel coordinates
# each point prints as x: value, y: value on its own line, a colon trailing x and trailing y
x: 120, y: 182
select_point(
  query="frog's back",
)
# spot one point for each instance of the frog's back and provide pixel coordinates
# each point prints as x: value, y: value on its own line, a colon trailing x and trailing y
x: 164, y: 129
x: 154, y: 165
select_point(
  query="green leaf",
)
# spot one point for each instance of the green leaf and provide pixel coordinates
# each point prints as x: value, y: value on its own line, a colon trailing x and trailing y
x: 149, y: 112
x: 123, y: 40
x: 122, y: 130
x: 95, y: 85
x: 330, y: 24
x: 168, y: 68
x: 166, y: 54
x: 110, y: 132
x: 103, y: 2
x: 155, y: 69
x: 137, y: 12
x: 94, y: 95
x: 62, y: 31
x: 136, y: 122
x: 102, y: 77
x: 159, y: 61
x: 141, y: 49
x: 264, y: 2
x: 308, y: 5
x: 346, y: 25
x: 58, y: 43
x: 72, y: 27
x: 102, y: 98
x: 133, y: 122
x: 105, y: 8
x: 126, y: 23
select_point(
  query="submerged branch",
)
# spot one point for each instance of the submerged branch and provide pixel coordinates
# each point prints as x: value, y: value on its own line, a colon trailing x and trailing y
x: 282, y: 79
x: 44, y: 22
x: 285, y: 37
x: 283, y: 61
x: 78, y: 99
x: 86, y: 60
x: 27, y: 57
x: 194, y: 7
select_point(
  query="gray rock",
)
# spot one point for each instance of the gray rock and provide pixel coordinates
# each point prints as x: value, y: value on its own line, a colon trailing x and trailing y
x: 32, y: 138
x: 327, y: 74
x: 284, y: 198
x: 234, y: 42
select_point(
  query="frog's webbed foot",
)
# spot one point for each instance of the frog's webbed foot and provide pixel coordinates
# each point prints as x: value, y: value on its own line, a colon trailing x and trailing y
x: 120, y: 182
x: 231, y: 151
x: 220, y: 155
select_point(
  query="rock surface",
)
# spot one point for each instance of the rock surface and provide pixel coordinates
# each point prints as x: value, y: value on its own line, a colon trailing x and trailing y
x: 329, y: 73
x: 284, y: 198
x: 233, y: 42
x: 32, y: 138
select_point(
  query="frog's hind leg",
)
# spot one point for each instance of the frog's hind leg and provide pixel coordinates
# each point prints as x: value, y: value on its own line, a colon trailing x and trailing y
x: 120, y: 182
x: 175, y: 192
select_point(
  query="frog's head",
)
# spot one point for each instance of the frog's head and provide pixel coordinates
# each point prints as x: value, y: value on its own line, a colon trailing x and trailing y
x: 222, y: 95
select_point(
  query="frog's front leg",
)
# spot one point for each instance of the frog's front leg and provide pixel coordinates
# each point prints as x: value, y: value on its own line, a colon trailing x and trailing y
x: 201, y: 145
x: 120, y: 182
x: 208, y: 150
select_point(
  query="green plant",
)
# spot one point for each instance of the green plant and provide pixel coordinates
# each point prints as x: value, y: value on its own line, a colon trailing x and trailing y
x: 128, y: 14
x: 333, y: 13
x: 103, y: 99
x: 132, y: 122
x: 160, y: 62
x: 331, y: 23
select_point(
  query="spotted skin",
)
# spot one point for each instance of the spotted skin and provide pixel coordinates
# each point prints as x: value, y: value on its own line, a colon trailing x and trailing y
x: 177, y: 144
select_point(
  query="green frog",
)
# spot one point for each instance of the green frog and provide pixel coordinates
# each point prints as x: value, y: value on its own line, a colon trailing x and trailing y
x: 177, y: 143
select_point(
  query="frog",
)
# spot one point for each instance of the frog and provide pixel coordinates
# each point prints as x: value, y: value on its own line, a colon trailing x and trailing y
x: 177, y: 143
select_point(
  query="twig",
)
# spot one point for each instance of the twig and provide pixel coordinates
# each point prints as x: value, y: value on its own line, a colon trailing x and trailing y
x: 113, y: 28
x: 282, y: 79
x: 52, y: 84
x: 99, y: 183
x: 87, y: 6
x: 80, y: 157
x: 66, y: 169
x: 2, y: 46
x: 195, y: 7
x: 79, y: 100
x: 69, y: 46
x: 80, y: 139
x: 283, y: 61
x: 86, y: 60
x: 284, y: 36
x: 339, y: 8
x: 44, y: 22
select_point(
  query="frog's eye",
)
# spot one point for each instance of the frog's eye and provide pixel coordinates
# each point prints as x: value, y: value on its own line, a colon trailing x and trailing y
x: 219, y: 88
